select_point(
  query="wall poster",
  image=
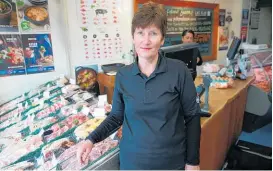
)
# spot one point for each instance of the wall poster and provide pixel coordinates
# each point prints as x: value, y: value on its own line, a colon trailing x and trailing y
x: 38, y: 53
x: 11, y: 55
x: 8, y: 16
x: 223, y: 38
x: 245, y: 17
x: 25, y: 40
x: 101, y: 29
x: 202, y: 18
x: 33, y: 16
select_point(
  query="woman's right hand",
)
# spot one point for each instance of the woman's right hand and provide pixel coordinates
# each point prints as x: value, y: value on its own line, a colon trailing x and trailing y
x: 198, y: 59
x: 84, y: 150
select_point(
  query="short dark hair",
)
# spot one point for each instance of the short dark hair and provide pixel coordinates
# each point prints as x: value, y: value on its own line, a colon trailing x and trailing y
x: 187, y: 31
x: 150, y: 13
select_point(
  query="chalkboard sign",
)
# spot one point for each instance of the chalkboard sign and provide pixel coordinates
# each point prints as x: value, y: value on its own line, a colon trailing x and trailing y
x: 202, y: 18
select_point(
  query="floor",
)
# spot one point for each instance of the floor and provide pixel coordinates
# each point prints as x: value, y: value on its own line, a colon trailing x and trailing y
x: 262, y: 136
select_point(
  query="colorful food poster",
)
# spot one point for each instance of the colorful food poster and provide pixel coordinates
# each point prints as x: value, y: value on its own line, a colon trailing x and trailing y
x: 94, y: 67
x: 245, y: 17
x: 33, y: 16
x: 11, y: 55
x: 8, y: 16
x: 101, y: 30
x: 223, y: 38
x: 244, y: 33
x: 86, y: 76
x: 38, y: 53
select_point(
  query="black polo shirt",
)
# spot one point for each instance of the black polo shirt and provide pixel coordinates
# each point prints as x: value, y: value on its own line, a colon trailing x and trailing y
x: 160, y: 127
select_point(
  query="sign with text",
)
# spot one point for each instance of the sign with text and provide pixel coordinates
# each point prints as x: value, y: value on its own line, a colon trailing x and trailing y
x: 197, y: 19
x: 202, y: 18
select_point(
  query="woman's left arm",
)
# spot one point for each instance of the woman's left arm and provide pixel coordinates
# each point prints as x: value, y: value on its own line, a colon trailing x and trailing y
x: 192, y: 118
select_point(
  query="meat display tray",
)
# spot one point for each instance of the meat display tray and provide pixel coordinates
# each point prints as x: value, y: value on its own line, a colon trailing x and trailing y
x: 108, y: 162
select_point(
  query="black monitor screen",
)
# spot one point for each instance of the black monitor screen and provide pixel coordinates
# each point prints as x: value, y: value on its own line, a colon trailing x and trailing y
x: 233, y: 49
x: 187, y: 53
x: 187, y: 56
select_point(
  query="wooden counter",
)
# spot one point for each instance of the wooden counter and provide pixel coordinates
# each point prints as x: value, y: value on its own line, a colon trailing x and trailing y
x: 219, y: 131
x: 107, y: 84
x: 222, y: 129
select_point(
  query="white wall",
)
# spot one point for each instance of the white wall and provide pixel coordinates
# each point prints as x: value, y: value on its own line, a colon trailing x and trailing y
x: 15, y: 85
x: 75, y: 46
x: 75, y: 43
x: 235, y: 6
x: 67, y: 50
x: 264, y: 32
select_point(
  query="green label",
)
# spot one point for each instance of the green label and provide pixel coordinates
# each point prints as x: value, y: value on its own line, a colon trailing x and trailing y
x: 25, y: 25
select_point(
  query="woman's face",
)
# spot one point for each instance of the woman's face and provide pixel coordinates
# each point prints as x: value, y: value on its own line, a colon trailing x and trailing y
x: 188, y: 38
x: 147, y: 41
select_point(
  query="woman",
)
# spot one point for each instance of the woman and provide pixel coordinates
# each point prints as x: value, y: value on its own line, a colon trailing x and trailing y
x: 155, y: 101
x: 187, y: 37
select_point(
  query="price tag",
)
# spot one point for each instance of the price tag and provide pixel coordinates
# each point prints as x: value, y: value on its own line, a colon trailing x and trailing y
x: 59, y: 84
x: 41, y: 103
x: 62, y: 99
x: 72, y: 81
x: 64, y: 90
x: 32, y: 116
x: 41, y: 132
x: 46, y: 94
x: 20, y: 105
x: 99, y: 112
x: 85, y: 110
x: 54, y: 160
x: 113, y: 135
x: 61, y: 76
x: 103, y: 98
x: 26, y: 123
x: 35, y: 101
x: 26, y: 105
x: 100, y: 103
x: 74, y: 111
x: 40, y: 160
x: 17, y: 135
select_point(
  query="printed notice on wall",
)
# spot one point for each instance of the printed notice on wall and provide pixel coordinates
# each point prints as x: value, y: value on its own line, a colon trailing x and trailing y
x: 223, y: 38
x: 8, y: 16
x: 254, y: 18
x: 101, y: 29
x: 38, y: 53
x: 11, y: 55
x: 25, y: 40
x: 196, y: 19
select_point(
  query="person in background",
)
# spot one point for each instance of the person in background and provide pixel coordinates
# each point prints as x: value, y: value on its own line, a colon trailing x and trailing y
x: 187, y: 37
x: 155, y: 102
